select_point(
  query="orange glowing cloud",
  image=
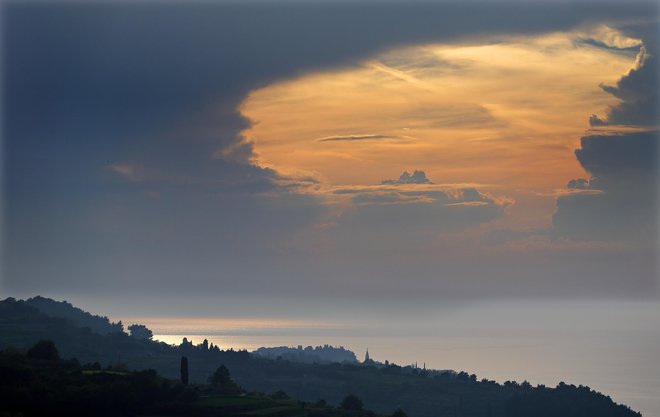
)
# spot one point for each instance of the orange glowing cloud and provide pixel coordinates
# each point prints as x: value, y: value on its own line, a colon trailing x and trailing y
x: 506, y: 114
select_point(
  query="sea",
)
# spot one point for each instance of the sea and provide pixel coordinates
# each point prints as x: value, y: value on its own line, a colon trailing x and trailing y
x: 611, y: 346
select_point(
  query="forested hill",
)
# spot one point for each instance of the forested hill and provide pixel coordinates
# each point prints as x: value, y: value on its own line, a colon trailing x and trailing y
x: 77, y: 316
x: 384, y: 388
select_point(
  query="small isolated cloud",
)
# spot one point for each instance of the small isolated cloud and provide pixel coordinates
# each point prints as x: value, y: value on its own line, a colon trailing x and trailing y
x: 130, y: 172
x: 417, y: 177
x: 469, y: 204
x: 578, y: 184
x: 560, y: 192
x: 351, y: 138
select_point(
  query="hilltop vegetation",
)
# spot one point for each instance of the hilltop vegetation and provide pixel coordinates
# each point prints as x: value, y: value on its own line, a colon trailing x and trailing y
x: 318, y: 354
x: 420, y: 393
x: 75, y: 315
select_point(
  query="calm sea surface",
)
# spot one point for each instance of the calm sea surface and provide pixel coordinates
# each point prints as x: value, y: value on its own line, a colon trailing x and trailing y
x: 613, y: 347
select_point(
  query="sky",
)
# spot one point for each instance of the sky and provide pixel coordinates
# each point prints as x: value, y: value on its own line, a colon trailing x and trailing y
x: 354, y: 153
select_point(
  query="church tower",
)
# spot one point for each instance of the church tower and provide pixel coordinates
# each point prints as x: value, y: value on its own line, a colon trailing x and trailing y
x: 366, y: 357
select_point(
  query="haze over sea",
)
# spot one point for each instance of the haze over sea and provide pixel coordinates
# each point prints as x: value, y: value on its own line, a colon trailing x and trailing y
x: 610, y: 346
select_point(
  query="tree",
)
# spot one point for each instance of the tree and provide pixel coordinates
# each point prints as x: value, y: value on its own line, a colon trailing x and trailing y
x: 399, y: 413
x: 140, y: 331
x: 280, y: 395
x: 351, y: 402
x: 44, y: 350
x: 222, y: 379
x: 118, y: 327
x: 184, y: 370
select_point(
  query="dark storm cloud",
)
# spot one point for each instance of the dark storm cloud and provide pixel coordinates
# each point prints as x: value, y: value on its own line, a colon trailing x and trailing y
x: 124, y: 163
x: 622, y: 165
x: 610, y: 158
x: 624, y: 168
x: 637, y: 90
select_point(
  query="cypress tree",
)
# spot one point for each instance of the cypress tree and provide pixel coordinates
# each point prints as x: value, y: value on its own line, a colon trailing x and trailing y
x: 184, y: 370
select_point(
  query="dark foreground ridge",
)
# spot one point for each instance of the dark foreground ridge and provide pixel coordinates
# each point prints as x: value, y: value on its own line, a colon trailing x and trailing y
x: 111, y: 351
x: 38, y: 383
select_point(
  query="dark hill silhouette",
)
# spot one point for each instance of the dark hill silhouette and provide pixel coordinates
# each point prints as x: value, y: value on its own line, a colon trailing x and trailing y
x: 80, y: 318
x: 384, y: 388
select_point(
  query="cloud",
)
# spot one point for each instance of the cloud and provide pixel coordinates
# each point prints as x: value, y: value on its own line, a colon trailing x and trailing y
x: 389, y: 197
x: 458, y: 116
x: 128, y: 171
x: 417, y: 177
x: 390, y: 222
x: 400, y: 216
x: 163, y: 94
x: 623, y: 170
x: 578, y: 184
x: 350, y: 138
x: 418, y: 62
x: 414, y: 209
x: 638, y: 92
x: 619, y: 202
x: 608, y: 37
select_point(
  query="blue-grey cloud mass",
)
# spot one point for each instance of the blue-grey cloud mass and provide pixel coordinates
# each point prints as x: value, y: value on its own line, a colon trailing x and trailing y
x: 623, y: 168
x: 637, y: 90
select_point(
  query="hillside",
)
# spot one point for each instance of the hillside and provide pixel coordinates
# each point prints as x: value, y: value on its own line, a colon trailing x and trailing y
x: 420, y: 393
x: 36, y: 382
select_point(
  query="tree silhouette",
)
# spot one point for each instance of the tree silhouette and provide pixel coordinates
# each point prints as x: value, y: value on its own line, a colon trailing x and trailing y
x: 44, y: 350
x: 221, y: 379
x: 399, y: 413
x: 351, y: 402
x: 140, y: 331
x: 184, y: 370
